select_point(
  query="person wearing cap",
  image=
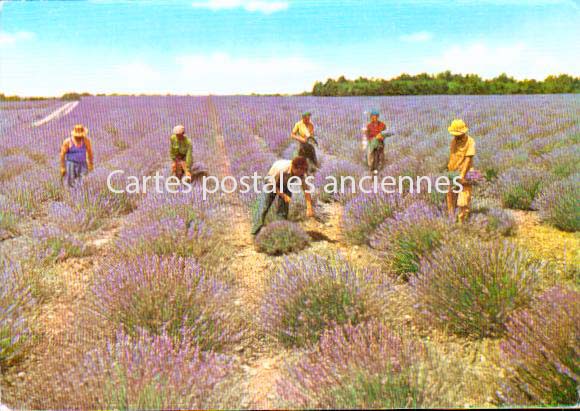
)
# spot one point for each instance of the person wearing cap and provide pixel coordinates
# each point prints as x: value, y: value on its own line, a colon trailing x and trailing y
x: 461, y: 155
x: 279, y: 176
x: 375, y: 145
x: 303, y: 132
x: 76, y: 155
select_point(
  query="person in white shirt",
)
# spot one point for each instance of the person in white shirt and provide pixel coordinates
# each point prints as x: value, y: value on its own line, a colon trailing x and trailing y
x: 279, y: 175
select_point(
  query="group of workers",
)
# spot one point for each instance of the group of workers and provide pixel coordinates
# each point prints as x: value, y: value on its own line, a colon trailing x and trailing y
x: 76, y: 159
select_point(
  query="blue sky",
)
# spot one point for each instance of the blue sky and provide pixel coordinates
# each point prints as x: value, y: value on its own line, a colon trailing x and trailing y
x: 244, y: 46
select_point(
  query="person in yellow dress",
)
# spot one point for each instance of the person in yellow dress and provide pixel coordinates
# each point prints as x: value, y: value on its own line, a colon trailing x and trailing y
x: 461, y: 155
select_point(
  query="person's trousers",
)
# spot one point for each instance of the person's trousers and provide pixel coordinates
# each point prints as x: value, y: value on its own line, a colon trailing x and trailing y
x: 375, y: 156
x: 265, y: 202
x: 308, y: 151
x: 460, y: 200
x: 74, y: 171
x: 179, y: 168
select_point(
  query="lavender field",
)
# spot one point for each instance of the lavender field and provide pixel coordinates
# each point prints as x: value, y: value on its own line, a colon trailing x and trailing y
x: 165, y: 301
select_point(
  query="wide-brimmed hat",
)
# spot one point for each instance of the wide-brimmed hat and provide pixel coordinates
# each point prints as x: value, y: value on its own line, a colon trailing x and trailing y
x: 457, y: 128
x: 79, y: 131
x: 178, y: 129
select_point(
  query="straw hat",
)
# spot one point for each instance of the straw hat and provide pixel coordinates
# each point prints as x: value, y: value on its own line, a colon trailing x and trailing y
x: 178, y: 129
x: 457, y: 128
x: 79, y: 131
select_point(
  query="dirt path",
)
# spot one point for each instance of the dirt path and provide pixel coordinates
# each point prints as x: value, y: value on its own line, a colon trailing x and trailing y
x: 60, y: 112
x: 560, y: 248
x: 264, y: 359
x: 251, y: 269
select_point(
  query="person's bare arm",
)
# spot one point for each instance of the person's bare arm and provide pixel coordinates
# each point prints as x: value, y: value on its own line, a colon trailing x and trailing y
x: 309, y: 210
x: 90, y: 163
x: 466, y: 167
x: 298, y: 137
x: 63, y: 151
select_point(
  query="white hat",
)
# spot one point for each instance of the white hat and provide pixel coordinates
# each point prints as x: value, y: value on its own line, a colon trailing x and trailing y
x: 178, y: 129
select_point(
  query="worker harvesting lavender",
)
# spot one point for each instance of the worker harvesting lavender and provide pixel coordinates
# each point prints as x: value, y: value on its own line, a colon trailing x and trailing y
x: 303, y: 132
x: 461, y: 155
x: 278, y: 178
x: 180, y: 151
x: 375, y: 134
x: 76, y: 155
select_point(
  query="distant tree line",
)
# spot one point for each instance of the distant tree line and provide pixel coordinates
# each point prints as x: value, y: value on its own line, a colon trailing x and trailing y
x: 66, y: 97
x: 445, y: 83
x: 405, y: 84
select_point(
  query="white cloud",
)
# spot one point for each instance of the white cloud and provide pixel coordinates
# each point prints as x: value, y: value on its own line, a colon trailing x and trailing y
x: 221, y: 73
x: 11, y: 38
x: 518, y: 60
x: 136, y: 76
x: 523, y: 3
x: 261, y: 6
x: 417, y: 37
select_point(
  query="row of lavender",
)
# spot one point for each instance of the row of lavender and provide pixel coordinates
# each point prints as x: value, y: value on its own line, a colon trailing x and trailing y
x: 19, y: 113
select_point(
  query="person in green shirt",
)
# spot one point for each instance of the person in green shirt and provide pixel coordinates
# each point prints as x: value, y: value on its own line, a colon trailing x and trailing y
x: 180, y: 153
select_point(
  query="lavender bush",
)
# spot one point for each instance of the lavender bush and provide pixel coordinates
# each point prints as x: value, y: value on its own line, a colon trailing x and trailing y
x: 493, y: 222
x: 14, y: 165
x: 559, y: 204
x: 518, y: 188
x: 337, y: 168
x: 281, y: 237
x: 364, y: 213
x: 563, y: 162
x: 27, y: 194
x: 409, y: 235
x: 16, y: 302
x: 148, y: 372
x: 167, y: 294
x: 167, y: 236
x: 95, y: 192
x: 72, y: 219
x: 366, y: 366
x: 10, y: 215
x: 541, y: 352
x: 54, y: 245
x: 308, y: 295
x: 470, y: 288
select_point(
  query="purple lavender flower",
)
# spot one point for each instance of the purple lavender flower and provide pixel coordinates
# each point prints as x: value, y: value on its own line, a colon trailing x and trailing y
x: 363, y: 366
x: 15, y: 303
x: 71, y: 219
x: 281, y: 237
x: 365, y: 212
x: 149, y: 372
x: 518, y: 187
x: 309, y: 294
x: 168, y: 294
x: 54, y: 244
x: 541, y: 352
x: 410, y: 234
x: 470, y: 288
x: 559, y: 204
